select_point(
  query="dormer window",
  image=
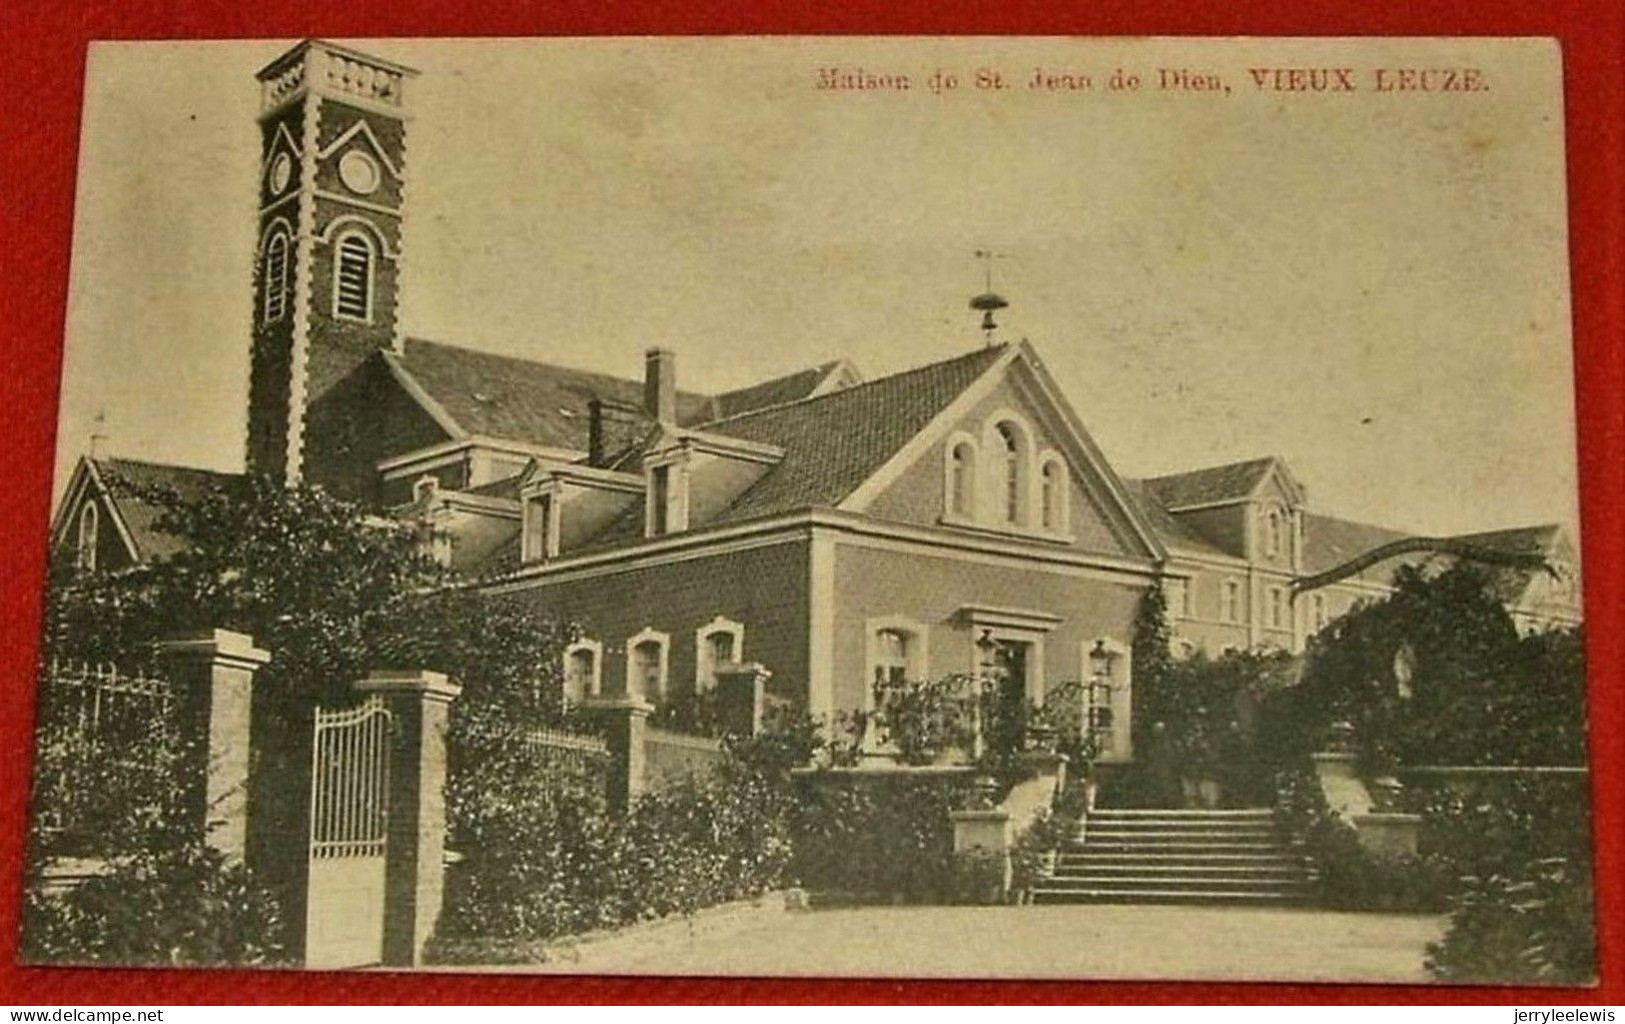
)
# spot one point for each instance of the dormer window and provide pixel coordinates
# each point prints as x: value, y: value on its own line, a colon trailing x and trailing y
x: 667, y: 494
x: 88, y: 537
x: 1272, y: 533
x: 352, y: 277
x: 540, y: 527
x: 660, y: 500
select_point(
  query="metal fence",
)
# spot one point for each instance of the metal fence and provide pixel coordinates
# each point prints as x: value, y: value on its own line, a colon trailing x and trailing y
x: 106, y: 744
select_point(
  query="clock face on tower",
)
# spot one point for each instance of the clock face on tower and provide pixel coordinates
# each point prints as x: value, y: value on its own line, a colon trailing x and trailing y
x: 281, y: 173
x: 359, y: 172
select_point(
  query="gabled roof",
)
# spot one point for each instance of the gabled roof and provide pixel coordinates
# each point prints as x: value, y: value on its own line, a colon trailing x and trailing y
x: 539, y: 403
x: 790, y: 388
x: 1173, y: 533
x: 835, y: 441
x: 1329, y: 542
x: 1529, y: 539
x: 124, y: 481
x: 1233, y: 482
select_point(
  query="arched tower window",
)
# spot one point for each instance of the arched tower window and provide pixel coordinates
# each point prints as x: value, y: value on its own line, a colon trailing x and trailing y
x: 352, y: 277
x: 275, y: 273
x: 89, y: 535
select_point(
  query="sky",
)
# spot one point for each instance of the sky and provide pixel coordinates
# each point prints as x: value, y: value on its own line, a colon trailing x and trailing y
x: 1372, y: 285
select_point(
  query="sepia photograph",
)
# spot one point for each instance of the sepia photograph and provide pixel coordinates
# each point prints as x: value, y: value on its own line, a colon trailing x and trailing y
x: 975, y: 508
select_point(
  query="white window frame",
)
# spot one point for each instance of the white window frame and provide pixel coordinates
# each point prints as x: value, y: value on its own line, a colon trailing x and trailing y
x: 1063, y: 493
x: 705, y: 672
x: 274, y: 300
x: 548, y: 496
x: 999, y: 463
x: 917, y: 652
x: 594, y: 684
x: 1273, y: 532
x: 1120, y: 744
x: 373, y: 250
x: 1278, y: 617
x: 663, y: 641
x: 88, y: 536
x: 675, y: 463
x: 1230, y: 591
x: 973, y: 498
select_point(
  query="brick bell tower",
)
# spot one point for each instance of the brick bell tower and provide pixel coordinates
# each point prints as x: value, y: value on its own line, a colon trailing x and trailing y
x: 326, y: 269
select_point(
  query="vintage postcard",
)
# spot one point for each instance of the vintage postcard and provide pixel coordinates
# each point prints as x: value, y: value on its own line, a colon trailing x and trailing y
x: 972, y: 508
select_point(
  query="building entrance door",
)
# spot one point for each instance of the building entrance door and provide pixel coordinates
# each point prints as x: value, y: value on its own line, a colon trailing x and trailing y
x: 1011, y: 662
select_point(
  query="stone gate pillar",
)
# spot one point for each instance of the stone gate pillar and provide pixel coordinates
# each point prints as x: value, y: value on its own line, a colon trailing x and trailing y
x: 414, y: 864
x: 211, y: 675
x: 625, y: 721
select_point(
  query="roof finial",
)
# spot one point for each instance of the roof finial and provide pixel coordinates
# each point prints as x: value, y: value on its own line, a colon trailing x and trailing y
x: 98, y: 424
x: 988, y: 301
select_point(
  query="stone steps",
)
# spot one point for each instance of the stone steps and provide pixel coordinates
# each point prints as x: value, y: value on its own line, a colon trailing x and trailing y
x: 1178, y: 856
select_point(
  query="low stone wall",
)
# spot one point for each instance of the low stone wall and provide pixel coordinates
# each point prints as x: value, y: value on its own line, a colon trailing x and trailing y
x: 668, y: 756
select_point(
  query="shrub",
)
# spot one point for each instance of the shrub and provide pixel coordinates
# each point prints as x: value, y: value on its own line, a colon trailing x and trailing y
x: 543, y: 857
x: 878, y: 838
x: 1351, y: 877
x: 186, y: 906
x: 1536, y: 927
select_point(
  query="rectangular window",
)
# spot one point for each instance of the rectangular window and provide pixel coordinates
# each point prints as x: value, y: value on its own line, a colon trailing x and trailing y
x: 1231, y: 602
x: 1277, y: 608
x: 660, y: 499
x: 538, y: 528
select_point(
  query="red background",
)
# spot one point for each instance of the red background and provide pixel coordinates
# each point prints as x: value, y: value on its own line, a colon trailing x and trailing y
x: 44, y: 51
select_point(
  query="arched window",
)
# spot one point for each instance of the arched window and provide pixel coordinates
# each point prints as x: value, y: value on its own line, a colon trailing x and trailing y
x: 89, y: 535
x: 582, y: 661
x: 275, y: 274
x: 646, y: 665
x: 717, y: 643
x: 1010, y: 473
x: 1052, y: 494
x: 1272, y: 532
x: 352, y: 277
x: 962, y: 479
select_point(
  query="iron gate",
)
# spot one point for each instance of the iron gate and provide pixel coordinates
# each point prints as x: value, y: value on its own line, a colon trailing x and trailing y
x: 349, y: 828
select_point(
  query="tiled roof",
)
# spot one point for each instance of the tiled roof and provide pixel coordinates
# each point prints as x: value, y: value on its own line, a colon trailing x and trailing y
x: 521, y: 399
x: 1526, y: 539
x: 1215, y: 483
x: 1173, y: 533
x: 547, y: 404
x: 790, y: 388
x: 835, y: 441
x: 127, y: 478
x: 1329, y: 542
x: 832, y: 443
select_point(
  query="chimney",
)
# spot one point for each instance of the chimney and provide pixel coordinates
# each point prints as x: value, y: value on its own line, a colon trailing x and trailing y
x: 660, y: 384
